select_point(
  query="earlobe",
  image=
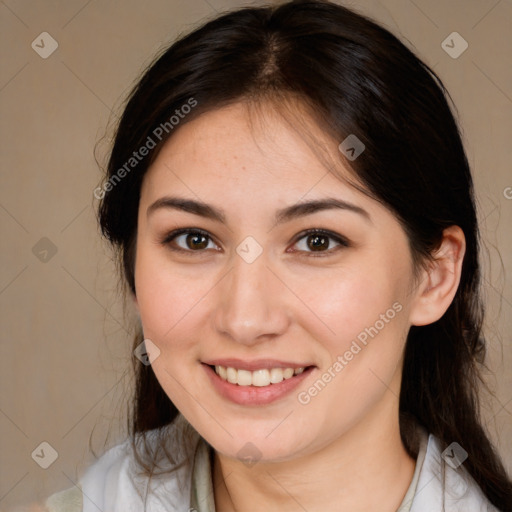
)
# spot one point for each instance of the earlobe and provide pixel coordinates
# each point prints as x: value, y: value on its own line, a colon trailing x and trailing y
x: 440, y: 281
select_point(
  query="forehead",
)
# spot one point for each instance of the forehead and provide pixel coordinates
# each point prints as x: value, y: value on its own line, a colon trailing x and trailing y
x: 253, y: 149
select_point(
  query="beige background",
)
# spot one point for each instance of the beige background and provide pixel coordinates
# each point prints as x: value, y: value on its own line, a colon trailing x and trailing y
x: 65, y: 345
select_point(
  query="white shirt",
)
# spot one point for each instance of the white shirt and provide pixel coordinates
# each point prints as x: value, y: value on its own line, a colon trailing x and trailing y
x: 113, y: 483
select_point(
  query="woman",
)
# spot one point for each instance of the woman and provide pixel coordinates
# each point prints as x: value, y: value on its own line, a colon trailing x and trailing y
x: 294, y: 216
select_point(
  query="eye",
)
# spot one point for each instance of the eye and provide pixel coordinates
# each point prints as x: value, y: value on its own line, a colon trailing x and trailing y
x: 310, y: 241
x: 191, y: 240
x: 319, y: 241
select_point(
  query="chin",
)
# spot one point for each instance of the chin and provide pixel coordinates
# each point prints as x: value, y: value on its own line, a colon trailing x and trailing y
x: 263, y: 441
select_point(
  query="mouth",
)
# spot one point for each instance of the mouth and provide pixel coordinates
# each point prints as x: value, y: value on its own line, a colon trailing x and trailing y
x: 257, y: 387
x: 257, y: 378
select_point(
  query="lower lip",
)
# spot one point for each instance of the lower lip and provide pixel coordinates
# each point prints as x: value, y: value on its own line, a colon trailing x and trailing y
x: 255, y: 395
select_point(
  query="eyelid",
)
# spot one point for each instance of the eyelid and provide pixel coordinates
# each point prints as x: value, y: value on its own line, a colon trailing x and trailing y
x: 169, y: 237
x: 341, y: 240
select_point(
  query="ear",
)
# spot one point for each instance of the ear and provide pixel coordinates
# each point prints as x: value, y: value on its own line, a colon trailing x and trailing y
x: 439, y: 283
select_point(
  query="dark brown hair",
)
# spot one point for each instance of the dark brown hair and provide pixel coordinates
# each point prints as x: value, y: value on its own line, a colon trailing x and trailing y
x: 359, y: 79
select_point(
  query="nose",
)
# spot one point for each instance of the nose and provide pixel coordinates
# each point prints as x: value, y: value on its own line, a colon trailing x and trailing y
x: 251, y: 303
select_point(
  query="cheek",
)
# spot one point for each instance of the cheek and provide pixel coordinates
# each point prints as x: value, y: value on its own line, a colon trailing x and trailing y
x: 169, y: 301
x: 369, y: 318
x: 366, y: 306
x: 346, y: 303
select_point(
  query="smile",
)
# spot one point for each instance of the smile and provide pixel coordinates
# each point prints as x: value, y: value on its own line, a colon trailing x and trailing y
x: 255, y: 387
x: 262, y: 377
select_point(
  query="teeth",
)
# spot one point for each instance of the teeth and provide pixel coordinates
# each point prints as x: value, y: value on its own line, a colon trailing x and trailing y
x: 276, y: 375
x: 222, y: 372
x: 244, y: 378
x: 257, y: 378
x: 287, y: 373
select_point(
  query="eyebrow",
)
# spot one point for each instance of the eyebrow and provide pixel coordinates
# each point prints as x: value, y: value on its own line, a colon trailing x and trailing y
x: 284, y: 215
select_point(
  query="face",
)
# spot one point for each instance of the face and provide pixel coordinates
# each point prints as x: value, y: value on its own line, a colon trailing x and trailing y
x: 254, y: 283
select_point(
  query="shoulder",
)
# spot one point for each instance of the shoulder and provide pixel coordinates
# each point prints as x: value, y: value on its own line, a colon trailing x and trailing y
x: 117, y: 483
x: 68, y: 500
x: 445, y: 484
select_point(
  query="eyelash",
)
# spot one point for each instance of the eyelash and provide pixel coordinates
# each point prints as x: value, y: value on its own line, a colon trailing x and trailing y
x: 343, y: 242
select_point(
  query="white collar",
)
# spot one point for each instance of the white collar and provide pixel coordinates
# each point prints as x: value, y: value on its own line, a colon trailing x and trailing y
x: 113, y: 483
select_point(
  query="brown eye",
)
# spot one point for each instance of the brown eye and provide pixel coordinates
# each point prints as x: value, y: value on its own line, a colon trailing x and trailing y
x: 187, y: 240
x: 317, y: 242
x: 196, y: 241
x: 321, y: 242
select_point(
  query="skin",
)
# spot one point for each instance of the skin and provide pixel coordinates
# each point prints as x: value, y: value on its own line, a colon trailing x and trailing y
x: 288, y: 304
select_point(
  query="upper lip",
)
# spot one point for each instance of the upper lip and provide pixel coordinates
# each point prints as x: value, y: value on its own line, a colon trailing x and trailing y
x: 258, y: 364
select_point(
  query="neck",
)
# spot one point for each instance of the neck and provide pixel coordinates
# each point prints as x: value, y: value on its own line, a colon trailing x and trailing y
x: 366, y: 468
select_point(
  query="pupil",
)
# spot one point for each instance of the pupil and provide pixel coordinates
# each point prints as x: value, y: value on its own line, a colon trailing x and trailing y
x: 194, y: 237
x: 318, y: 241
